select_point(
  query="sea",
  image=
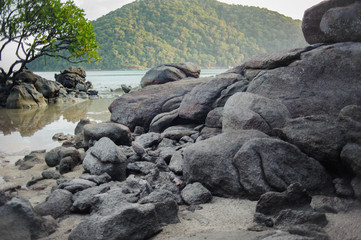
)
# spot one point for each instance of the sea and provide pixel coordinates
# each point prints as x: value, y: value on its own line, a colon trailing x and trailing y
x: 26, y: 130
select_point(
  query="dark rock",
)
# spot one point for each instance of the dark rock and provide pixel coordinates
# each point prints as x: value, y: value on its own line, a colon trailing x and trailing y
x: 290, y: 217
x: 350, y: 118
x: 163, y: 121
x: 177, y: 132
x: 49, y: 89
x: 141, y: 167
x: 138, y: 148
x: 351, y: 156
x: 33, y: 181
x: 295, y: 197
x: 239, y: 86
x: 356, y: 185
x: 165, y: 206
x: 196, y: 193
x: 343, y: 187
x: 324, y: 85
x: 214, y: 118
x: 27, y: 77
x: 83, y: 200
x: 71, y: 152
x: 104, y: 178
x: 251, y: 111
x: 162, y: 74
x: 133, y: 221
x: 50, y: 174
x: 323, y: 21
x: 196, y: 104
x: 176, y: 163
x: 35, y: 157
x: 52, y: 157
x: 69, y: 78
x: 66, y: 165
x: 79, y: 129
x: 126, y: 88
x: 118, y: 133
x: 148, y: 140
x: 138, y: 108
x: 189, y: 68
x: 320, y: 137
x: 57, y: 204
x: 210, y: 162
x: 18, y: 220
x: 25, y: 96
x: 76, y: 185
x: 138, y: 187
x: 267, y: 164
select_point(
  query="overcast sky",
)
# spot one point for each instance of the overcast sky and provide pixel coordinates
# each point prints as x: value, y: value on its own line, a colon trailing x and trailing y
x: 292, y: 8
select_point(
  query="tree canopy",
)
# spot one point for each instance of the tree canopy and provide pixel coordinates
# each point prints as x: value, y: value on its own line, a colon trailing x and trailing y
x: 146, y: 33
x: 45, y: 28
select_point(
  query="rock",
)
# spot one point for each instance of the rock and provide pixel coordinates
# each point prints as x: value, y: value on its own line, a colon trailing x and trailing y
x: 162, y: 121
x: 214, y: 118
x: 350, y: 118
x: 196, y: 104
x: 356, y: 185
x: 76, y: 185
x: 106, y: 157
x: 125, y: 88
x: 57, y: 204
x: 176, y: 133
x: 210, y: 162
x: 148, y: 140
x: 351, y: 156
x: 176, y: 163
x: 239, y: 86
x: 169, y: 73
x: 138, y: 149
x: 137, y: 186
x: 83, y: 200
x: 138, y: 108
x: 295, y: 197
x: 35, y: 157
x: 343, y: 188
x: 320, y: 137
x: 52, y: 157
x: 196, y: 193
x: 160, y: 75
x: 69, y: 78
x: 50, y: 174
x: 251, y: 111
x: 66, y: 165
x: 290, y: 217
x: 27, y: 77
x: 266, y: 164
x: 80, y: 87
x: 133, y: 221
x: 18, y: 220
x: 118, y: 133
x: 165, y: 206
x: 310, y: 231
x: 104, y: 178
x: 79, y: 129
x: 324, y: 89
x: 141, y: 167
x: 49, y: 89
x: 25, y: 96
x: 332, y: 21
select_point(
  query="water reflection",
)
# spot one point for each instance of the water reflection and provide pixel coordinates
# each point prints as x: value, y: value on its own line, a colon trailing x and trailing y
x: 33, y: 129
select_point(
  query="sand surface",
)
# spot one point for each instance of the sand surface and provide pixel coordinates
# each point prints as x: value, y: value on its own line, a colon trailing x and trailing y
x: 220, y: 219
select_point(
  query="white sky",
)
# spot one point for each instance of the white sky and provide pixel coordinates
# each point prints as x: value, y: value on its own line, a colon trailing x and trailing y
x: 291, y: 8
x: 97, y: 8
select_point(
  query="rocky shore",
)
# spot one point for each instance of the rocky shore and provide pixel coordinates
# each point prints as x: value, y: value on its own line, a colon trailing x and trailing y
x: 267, y: 150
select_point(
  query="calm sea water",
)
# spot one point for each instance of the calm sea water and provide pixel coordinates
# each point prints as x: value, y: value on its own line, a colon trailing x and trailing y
x: 22, y: 131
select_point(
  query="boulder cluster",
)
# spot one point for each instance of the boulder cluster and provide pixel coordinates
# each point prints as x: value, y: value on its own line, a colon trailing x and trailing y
x: 279, y: 129
x: 28, y: 90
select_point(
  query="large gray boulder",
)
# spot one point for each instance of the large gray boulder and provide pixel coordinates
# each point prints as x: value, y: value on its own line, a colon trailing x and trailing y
x: 210, y: 162
x: 323, y: 81
x: 251, y: 111
x: 118, y: 133
x: 25, y: 95
x: 320, y: 137
x: 332, y: 21
x: 170, y: 73
x: 267, y: 164
x: 57, y: 204
x: 350, y: 155
x: 18, y: 220
x: 138, y: 108
x: 196, y: 193
x: 106, y: 157
x: 196, y: 104
x: 126, y: 221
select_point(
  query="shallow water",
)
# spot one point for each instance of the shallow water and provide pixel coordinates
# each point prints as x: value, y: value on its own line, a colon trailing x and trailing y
x: 25, y: 130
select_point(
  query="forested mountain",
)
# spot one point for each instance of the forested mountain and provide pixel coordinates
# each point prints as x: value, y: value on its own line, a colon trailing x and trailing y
x: 146, y: 33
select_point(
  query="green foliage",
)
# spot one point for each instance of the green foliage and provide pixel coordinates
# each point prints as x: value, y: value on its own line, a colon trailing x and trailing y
x: 146, y: 33
x: 42, y: 28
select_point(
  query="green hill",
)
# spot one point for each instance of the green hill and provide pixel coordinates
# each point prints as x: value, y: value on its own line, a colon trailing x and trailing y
x: 147, y: 33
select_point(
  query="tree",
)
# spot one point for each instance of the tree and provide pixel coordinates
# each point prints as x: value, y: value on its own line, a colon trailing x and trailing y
x: 41, y: 28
